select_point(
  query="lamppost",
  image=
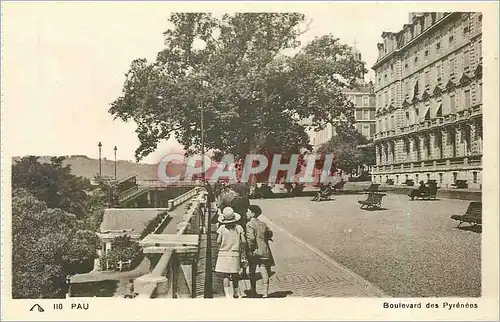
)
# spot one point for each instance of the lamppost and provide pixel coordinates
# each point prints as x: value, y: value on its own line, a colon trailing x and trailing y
x: 100, y: 166
x: 208, y: 291
x: 115, y: 161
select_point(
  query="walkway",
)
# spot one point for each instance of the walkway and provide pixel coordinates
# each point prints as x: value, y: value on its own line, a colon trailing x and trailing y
x: 304, y: 271
x: 407, y: 249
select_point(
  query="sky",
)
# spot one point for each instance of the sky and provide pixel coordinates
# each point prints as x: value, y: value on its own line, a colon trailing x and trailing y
x: 64, y: 63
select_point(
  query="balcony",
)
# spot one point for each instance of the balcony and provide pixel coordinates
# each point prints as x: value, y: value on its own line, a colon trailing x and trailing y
x: 477, y: 110
x: 450, y: 118
x: 444, y: 164
x: 462, y: 115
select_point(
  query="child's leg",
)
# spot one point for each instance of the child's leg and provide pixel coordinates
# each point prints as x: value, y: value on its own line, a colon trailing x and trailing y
x: 227, y: 286
x: 265, y: 278
x: 236, y: 280
x: 253, y: 279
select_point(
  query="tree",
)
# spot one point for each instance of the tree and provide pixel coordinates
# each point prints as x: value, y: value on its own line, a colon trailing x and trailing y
x: 47, y: 246
x: 52, y: 183
x: 345, y: 148
x: 254, y: 92
x: 122, y: 249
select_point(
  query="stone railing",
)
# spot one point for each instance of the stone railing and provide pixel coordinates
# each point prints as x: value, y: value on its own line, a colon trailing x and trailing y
x: 161, y: 184
x: 131, y: 193
x: 172, y: 203
x: 174, y: 275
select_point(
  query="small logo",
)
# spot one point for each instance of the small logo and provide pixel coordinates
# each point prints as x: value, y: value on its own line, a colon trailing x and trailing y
x: 37, y: 307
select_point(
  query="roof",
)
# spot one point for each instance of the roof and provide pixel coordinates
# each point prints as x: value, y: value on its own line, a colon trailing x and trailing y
x: 130, y: 219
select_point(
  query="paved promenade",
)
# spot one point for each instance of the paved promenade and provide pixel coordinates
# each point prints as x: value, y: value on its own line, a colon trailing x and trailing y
x: 407, y: 249
x: 304, y: 271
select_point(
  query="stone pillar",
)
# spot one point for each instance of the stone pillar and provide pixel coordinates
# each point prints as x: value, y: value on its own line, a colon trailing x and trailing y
x: 459, y: 142
x: 431, y: 142
x: 421, y: 147
x: 412, y: 149
x: 446, y: 144
x: 474, y: 138
x: 377, y: 155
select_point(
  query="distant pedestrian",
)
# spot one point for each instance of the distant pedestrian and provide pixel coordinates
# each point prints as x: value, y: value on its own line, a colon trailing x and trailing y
x: 231, y: 240
x: 130, y: 289
x: 258, y: 237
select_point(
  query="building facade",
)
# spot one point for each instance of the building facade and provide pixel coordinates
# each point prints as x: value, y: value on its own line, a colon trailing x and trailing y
x: 363, y: 99
x: 428, y: 90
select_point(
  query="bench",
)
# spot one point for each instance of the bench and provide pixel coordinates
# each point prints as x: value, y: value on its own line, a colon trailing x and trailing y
x: 373, y: 201
x: 324, y: 193
x: 460, y: 184
x: 409, y: 182
x: 473, y: 215
x: 429, y: 192
x: 339, y: 185
x: 390, y: 182
x: 372, y: 188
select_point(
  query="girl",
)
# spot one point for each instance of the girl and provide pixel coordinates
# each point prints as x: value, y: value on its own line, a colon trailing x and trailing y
x: 258, y: 237
x: 231, y: 240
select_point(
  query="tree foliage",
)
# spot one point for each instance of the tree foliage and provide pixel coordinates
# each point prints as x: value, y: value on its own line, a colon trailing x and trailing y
x: 250, y: 75
x: 48, y: 244
x: 345, y: 148
x: 123, y: 248
x: 52, y: 183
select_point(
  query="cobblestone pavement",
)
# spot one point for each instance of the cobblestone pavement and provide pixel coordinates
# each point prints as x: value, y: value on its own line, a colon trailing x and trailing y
x: 304, y: 271
x: 407, y: 249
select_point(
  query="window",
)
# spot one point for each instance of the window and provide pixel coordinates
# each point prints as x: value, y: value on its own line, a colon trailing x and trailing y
x: 452, y: 103
x: 358, y: 115
x: 452, y: 68
x: 416, y: 177
x: 467, y: 99
x: 366, y: 130
x: 438, y: 46
x: 416, y: 59
x: 455, y: 176
x: 427, y: 79
x: 474, y: 177
x: 372, y: 130
x: 366, y: 101
x: 440, y: 178
x: 426, y: 53
x: 428, y: 177
x: 451, y: 39
x: 466, y: 61
x: 406, y: 65
x: 466, y: 29
x: 366, y: 114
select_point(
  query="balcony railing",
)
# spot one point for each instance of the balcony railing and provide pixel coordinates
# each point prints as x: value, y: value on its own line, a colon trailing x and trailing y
x: 471, y: 161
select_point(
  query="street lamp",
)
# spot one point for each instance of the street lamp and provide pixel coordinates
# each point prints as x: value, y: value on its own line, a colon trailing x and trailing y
x: 115, y: 161
x: 208, y: 291
x: 100, y: 166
